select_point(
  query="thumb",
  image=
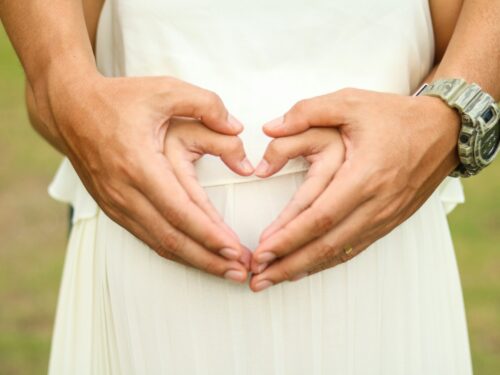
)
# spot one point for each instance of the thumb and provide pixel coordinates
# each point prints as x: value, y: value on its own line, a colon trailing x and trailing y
x: 319, y: 111
x: 279, y: 151
x: 188, y: 100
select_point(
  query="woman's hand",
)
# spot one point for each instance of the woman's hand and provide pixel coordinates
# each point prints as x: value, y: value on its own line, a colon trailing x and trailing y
x: 324, y: 149
x: 398, y: 150
x: 113, y: 131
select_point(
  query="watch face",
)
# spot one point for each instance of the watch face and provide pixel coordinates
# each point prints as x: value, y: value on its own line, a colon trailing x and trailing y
x: 490, y: 142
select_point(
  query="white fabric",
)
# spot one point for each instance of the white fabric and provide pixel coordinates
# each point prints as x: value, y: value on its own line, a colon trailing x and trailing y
x: 395, y: 309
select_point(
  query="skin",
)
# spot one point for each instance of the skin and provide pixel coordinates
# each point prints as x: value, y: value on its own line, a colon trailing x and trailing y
x: 128, y: 187
x: 389, y: 170
x: 113, y: 130
x: 108, y: 158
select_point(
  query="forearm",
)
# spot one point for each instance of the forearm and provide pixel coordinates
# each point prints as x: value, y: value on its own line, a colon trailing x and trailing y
x: 474, y: 49
x: 54, y: 47
x: 52, y: 43
x: 47, y: 36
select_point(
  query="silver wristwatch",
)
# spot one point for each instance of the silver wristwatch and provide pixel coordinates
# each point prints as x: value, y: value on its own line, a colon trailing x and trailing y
x: 479, y: 139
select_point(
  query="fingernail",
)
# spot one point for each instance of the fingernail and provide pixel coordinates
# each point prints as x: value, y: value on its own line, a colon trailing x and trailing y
x: 299, y: 276
x: 262, y: 168
x: 231, y: 254
x: 263, y: 284
x: 262, y: 267
x: 274, y: 124
x: 246, y: 166
x: 235, y: 124
x: 234, y: 275
x: 266, y: 257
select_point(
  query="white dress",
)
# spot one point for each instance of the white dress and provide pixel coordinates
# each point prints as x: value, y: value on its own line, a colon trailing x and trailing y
x: 396, y: 309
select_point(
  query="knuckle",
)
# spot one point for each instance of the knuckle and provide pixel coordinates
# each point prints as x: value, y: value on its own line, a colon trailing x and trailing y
x: 286, y: 242
x: 213, y: 100
x: 112, y: 195
x: 235, y: 144
x: 370, y: 180
x: 384, y: 214
x: 176, y: 216
x: 213, y: 265
x: 370, y: 188
x: 349, y: 95
x: 325, y: 252
x: 286, y: 273
x: 212, y: 240
x: 300, y: 107
x: 172, y: 242
x: 164, y: 253
x: 322, y: 221
x: 274, y: 147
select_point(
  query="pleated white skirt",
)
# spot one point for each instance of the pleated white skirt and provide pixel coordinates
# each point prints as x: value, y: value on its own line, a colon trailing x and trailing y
x: 395, y: 309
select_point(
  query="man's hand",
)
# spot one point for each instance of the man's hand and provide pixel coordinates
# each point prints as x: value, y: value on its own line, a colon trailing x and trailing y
x: 398, y: 150
x: 186, y: 141
x: 113, y: 130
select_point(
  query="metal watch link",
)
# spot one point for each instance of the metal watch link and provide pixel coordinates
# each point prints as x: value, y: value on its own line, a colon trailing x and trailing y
x: 479, y: 139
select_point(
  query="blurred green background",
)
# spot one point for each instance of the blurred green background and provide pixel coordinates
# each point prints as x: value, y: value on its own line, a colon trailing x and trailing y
x: 33, y: 231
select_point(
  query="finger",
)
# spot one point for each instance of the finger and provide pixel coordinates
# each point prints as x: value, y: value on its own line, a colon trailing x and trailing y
x: 230, y: 149
x: 316, y: 180
x: 325, y: 160
x: 141, y: 218
x: 161, y: 187
x: 184, y: 170
x: 307, y: 193
x: 186, y: 142
x: 359, y: 230
x: 141, y: 232
x: 324, y: 110
x: 185, y: 173
x: 185, y: 99
x: 342, y: 196
x: 322, y: 253
x: 280, y: 150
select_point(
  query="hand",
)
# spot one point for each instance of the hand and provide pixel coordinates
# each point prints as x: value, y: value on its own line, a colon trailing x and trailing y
x: 323, y: 149
x: 113, y: 130
x: 398, y: 150
x: 186, y: 141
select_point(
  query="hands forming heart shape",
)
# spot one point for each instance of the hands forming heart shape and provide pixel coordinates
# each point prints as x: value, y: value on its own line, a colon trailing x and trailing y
x: 187, y: 140
x: 375, y: 159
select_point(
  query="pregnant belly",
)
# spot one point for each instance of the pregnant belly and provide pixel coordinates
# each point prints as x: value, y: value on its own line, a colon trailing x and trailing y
x: 249, y: 207
x: 211, y: 171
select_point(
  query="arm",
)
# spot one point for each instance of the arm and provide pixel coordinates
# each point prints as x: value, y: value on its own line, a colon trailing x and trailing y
x: 49, y: 37
x: 444, y: 14
x: 113, y: 131
x: 474, y: 49
x: 91, y: 11
x: 390, y: 170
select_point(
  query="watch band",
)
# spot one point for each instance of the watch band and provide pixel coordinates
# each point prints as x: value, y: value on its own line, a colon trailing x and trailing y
x: 472, y: 104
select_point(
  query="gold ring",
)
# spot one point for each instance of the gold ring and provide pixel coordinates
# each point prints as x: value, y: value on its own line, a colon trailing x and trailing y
x: 347, y: 249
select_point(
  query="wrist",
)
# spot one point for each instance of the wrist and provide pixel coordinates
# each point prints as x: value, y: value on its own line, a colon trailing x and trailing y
x: 446, y: 125
x: 60, y: 81
x: 479, y: 136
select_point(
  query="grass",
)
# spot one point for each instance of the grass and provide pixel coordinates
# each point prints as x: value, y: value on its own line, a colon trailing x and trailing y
x: 33, y: 238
